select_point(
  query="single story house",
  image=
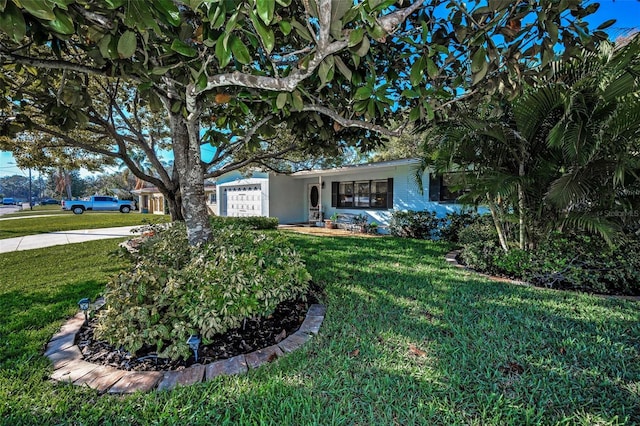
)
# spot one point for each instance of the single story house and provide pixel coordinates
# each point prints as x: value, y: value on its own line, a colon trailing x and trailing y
x: 373, y: 189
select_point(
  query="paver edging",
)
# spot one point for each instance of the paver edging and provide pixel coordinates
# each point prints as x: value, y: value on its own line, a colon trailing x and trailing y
x: 70, y: 367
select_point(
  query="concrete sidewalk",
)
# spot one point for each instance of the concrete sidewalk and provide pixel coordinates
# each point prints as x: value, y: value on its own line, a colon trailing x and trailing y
x: 63, y: 237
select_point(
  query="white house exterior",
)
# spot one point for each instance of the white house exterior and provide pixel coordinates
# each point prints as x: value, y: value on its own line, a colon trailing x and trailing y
x: 373, y: 189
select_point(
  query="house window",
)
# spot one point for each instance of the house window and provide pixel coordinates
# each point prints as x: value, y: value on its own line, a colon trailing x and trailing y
x: 213, y: 197
x: 445, y: 187
x: 363, y: 194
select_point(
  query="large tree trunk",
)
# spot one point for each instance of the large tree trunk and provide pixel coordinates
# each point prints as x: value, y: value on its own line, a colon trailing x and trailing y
x: 174, y: 203
x: 186, y: 150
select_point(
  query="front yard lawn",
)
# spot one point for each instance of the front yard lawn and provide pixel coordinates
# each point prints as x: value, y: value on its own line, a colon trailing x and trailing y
x: 68, y: 221
x: 407, y: 340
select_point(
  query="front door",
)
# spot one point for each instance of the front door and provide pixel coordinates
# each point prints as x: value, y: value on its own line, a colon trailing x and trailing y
x: 314, y: 203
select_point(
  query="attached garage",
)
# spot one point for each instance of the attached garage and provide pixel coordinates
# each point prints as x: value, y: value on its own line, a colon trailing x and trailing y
x: 243, y: 199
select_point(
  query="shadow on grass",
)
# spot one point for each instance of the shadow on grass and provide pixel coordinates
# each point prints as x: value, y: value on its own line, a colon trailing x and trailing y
x: 27, y: 316
x: 407, y: 340
x: 543, y: 353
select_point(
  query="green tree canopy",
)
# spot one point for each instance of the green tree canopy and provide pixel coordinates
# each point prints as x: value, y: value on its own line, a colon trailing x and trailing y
x: 565, y: 154
x: 224, y: 72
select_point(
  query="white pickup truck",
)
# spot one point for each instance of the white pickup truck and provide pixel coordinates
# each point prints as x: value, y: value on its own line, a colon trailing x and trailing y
x: 98, y: 203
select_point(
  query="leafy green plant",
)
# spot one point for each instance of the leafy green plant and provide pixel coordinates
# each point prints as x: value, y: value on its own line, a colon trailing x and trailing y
x: 570, y: 261
x: 480, y: 245
x: 581, y: 262
x: 515, y: 262
x: 251, y: 222
x: 453, y: 223
x: 422, y: 225
x: 176, y: 290
x: 373, y: 227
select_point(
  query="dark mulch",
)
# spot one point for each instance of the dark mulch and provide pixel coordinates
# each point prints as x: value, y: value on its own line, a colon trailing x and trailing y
x: 254, y: 334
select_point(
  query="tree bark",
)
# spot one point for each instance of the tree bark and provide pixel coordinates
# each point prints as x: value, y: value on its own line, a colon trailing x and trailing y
x: 186, y: 150
x: 496, y: 221
x: 521, y: 209
x: 174, y: 203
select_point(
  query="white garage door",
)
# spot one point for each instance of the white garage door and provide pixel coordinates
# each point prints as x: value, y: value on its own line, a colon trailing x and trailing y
x: 244, y: 200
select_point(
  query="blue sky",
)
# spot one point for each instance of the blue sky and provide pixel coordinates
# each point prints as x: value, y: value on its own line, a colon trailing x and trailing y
x: 626, y: 12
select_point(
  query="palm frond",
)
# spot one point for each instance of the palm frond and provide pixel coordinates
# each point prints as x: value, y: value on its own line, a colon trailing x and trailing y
x: 594, y: 224
x: 567, y: 190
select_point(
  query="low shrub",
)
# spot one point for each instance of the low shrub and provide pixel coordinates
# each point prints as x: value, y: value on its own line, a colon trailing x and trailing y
x: 513, y: 263
x: 586, y: 263
x: 251, y: 222
x: 176, y: 290
x: 568, y: 261
x: 453, y: 223
x: 421, y: 225
x: 480, y: 246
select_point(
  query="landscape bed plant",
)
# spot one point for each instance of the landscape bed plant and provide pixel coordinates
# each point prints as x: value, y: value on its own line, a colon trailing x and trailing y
x: 569, y: 260
x: 176, y: 290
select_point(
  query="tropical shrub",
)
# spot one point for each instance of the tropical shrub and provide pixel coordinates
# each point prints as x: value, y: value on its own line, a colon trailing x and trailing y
x: 252, y: 222
x: 421, y: 225
x: 569, y: 261
x: 480, y: 246
x: 514, y: 263
x: 453, y: 223
x: 582, y: 262
x: 176, y: 290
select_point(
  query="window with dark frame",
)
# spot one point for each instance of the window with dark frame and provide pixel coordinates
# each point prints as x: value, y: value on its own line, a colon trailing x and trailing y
x: 440, y: 188
x: 363, y: 194
x: 213, y: 197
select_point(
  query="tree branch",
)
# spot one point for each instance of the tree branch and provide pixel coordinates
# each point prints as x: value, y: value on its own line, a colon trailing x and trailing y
x: 97, y: 19
x: 51, y: 64
x: 345, y: 122
x: 240, y: 164
x: 288, y: 84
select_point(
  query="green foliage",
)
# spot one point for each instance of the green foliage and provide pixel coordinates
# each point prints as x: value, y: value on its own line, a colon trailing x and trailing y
x: 422, y: 225
x: 585, y: 263
x: 569, y: 261
x: 251, y: 222
x: 176, y: 290
x: 564, y: 155
x: 480, y: 245
x: 425, y: 225
x: 453, y: 223
x: 513, y: 263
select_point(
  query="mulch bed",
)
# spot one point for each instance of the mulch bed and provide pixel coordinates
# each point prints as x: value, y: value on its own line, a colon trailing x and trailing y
x: 254, y: 334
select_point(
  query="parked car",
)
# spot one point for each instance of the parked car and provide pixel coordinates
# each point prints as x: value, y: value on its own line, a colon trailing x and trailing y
x: 98, y: 203
x: 46, y: 201
x: 8, y: 201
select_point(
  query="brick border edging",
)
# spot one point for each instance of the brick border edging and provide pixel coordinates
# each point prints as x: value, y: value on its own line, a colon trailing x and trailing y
x: 69, y: 367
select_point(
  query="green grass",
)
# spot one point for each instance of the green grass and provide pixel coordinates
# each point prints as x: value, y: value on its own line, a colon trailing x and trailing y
x: 37, y: 210
x: 483, y: 352
x: 69, y: 221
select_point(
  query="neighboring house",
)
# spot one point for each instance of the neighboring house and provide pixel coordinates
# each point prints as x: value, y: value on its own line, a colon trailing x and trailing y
x: 373, y: 189
x: 151, y: 200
